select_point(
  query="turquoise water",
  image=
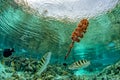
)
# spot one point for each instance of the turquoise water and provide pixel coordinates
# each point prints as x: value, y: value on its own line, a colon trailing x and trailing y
x: 32, y: 36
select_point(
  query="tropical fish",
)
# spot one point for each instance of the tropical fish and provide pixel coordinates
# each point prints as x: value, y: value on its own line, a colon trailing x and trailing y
x: 8, y: 52
x: 64, y: 64
x: 79, y: 64
x: 43, y: 63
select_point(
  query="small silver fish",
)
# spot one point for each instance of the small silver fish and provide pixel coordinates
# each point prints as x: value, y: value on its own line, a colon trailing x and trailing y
x: 43, y: 63
x: 79, y: 64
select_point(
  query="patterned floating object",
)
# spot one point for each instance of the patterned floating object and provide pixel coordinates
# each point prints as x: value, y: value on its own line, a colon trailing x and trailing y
x: 79, y: 64
x: 78, y: 33
x: 80, y: 30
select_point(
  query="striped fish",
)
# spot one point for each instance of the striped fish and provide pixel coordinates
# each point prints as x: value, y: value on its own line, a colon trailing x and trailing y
x: 43, y: 63
x: 79, y: 64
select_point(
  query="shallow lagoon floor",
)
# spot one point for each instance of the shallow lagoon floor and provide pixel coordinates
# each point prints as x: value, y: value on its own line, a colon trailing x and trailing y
x: 17, y: 68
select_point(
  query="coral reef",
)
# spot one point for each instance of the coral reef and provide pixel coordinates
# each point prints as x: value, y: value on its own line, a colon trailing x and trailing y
x: 21, y: 68
x: 29, y: 66
x: 26, y: 64
x: 5, y: 72
x: 111, y: 72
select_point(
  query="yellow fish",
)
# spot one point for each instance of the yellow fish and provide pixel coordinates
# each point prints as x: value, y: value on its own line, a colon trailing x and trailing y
x: 43, y: 63
x: 79, y: 64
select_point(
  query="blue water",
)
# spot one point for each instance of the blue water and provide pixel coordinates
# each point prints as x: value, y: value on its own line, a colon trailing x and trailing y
x: 33, y: 36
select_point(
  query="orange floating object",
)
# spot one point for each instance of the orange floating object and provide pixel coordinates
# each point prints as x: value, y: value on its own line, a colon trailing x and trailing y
x: 78, y: 33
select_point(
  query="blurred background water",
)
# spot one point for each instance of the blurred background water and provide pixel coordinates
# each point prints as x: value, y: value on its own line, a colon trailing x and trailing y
x: 32, y: 35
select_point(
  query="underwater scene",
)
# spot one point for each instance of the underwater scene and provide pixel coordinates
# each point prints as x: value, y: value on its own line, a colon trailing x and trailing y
x: 59, y: 39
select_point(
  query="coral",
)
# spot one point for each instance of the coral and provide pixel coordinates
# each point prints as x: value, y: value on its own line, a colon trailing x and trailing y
x: 19, y: 65
x: 59, y: 72
x: 111, y: 72
x: 78, y: 33
x: 5, y: 71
